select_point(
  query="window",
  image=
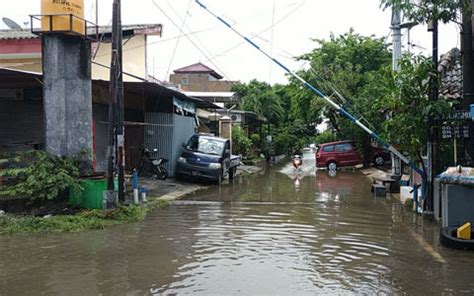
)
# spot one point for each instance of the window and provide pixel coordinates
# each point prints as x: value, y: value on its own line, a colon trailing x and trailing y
x: 184, y: 81
x: 328, y: 149
x: 206, y: 145
x: 343, y: 147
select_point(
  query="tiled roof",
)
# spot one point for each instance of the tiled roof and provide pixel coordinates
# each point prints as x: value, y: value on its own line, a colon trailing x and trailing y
x: 145, y: 29
x: 450, y: 69
x: 197, y: 68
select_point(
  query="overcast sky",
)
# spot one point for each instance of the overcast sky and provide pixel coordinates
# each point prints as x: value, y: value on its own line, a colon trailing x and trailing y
x: 284, y: 28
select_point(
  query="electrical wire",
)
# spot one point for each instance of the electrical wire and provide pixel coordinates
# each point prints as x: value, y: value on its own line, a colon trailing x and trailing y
x: 190, y: 40
x: 177, y: 41
x: 263, y: 31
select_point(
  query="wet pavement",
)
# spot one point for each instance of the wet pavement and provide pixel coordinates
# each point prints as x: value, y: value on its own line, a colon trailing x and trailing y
x: 276, y: 232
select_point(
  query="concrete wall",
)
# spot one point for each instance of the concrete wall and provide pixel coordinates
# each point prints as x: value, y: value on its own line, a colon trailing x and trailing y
x: 201, y: 82
x: 67, y: 93
x: 134, y: 59
x: 31, y: 64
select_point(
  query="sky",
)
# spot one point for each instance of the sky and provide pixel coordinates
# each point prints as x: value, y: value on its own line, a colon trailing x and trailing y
x: 283, y: 28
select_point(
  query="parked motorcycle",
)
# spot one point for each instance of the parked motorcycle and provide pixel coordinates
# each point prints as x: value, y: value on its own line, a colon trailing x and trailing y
x: 150, y: 166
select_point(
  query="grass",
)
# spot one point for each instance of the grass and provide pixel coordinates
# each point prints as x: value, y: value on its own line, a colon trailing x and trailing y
x: 84, y: 220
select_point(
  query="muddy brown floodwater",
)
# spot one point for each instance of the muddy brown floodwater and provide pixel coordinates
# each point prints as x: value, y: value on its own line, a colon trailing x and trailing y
x: 265, y: 234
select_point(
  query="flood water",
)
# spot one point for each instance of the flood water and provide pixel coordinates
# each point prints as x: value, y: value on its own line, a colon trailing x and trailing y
x: 273, y: 233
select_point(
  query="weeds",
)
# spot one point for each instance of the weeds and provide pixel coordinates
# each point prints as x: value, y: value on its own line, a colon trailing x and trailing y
x: 85, y: 220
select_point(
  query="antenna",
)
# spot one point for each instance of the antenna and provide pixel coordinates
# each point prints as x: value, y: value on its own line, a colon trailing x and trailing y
x: 12, y: 24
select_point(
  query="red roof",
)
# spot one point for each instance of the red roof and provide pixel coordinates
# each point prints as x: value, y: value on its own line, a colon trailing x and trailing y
x: 197, y: 68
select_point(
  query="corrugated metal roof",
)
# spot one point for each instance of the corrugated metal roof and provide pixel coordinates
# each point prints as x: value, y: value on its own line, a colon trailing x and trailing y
x: 137, y: 29
x: 451, y: 71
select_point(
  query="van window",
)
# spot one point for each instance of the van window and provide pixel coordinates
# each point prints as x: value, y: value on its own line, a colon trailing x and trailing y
x: 328, y: 148
x: 346, y: 147
x: 206, y: 145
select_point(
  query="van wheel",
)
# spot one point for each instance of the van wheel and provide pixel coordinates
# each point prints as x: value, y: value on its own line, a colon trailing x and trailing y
x: 332, y: 166
x: 379, y: 160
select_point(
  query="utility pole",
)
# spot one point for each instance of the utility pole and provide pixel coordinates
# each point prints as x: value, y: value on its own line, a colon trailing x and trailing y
x: 396, y: 56
x: 468, y: 76
x: 121, y: 111
x: 116, y: 131
x: 432, y: 146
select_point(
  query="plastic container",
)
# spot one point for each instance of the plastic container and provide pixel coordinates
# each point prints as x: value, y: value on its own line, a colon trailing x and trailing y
x: 91, y: 197
x: 57, y: 16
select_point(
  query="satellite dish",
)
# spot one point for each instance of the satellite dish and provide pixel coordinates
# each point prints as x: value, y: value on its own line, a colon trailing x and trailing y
x: 11, y: 24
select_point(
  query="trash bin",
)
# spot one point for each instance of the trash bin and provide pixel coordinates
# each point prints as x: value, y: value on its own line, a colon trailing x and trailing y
x: 91, y: 196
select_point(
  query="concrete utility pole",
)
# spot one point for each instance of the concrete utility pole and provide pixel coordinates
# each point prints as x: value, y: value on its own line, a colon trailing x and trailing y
x: 397, y: 39
x: 116, y: 130
x: 468, y: 75
x: 396, y: 56
x: 432, y: 146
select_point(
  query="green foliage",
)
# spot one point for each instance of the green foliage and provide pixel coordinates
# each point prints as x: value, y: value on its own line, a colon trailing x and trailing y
x: 403, y: 98
x: 284, y: 141
x: 347, y: 61
x: 326, y: 137
x: 256, y: 139
x: 89, y: 219
x: 41, y: 176
x: 240, y: 142
x: 426, y: 10
x: 261, y: 98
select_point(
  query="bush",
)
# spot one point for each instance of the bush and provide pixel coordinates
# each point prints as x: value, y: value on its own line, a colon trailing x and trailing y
x: 240, y: 142
x: 40, y: 176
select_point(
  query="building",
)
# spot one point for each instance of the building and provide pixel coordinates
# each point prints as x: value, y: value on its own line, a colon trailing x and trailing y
x: 200, y: 81
x: 156, y: 116
x: 21, y: 50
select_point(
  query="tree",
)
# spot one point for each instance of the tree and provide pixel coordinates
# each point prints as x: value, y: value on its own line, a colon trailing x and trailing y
x: 260, y: 97
x: 404, y: 97
x: 346, y: 61
x: 423, y: 11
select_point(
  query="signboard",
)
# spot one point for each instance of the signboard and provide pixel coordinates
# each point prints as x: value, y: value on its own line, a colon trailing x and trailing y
x: 456, y: 116
x: 455, y: 132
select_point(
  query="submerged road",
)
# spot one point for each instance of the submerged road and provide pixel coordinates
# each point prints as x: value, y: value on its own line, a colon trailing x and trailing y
x: 273, y: 233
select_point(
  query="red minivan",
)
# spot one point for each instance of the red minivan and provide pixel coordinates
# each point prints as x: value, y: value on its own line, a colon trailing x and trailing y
x: 344, y: 153
x: 335, y: 154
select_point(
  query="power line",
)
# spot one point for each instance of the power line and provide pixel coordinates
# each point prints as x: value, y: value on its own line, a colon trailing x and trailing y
x: 263, y: 31
x: 177, y: 41
x: 190, y: 40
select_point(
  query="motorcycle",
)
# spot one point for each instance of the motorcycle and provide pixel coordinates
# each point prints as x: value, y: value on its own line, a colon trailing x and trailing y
x: 297, y: 161
x: 152, y: 166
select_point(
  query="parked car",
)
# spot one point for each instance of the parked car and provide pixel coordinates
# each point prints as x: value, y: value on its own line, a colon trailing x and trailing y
x: 344, y: 153
x: 207, y: 157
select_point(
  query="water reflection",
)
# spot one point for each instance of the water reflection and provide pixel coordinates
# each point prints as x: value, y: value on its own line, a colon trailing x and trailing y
x: 260, y: 235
